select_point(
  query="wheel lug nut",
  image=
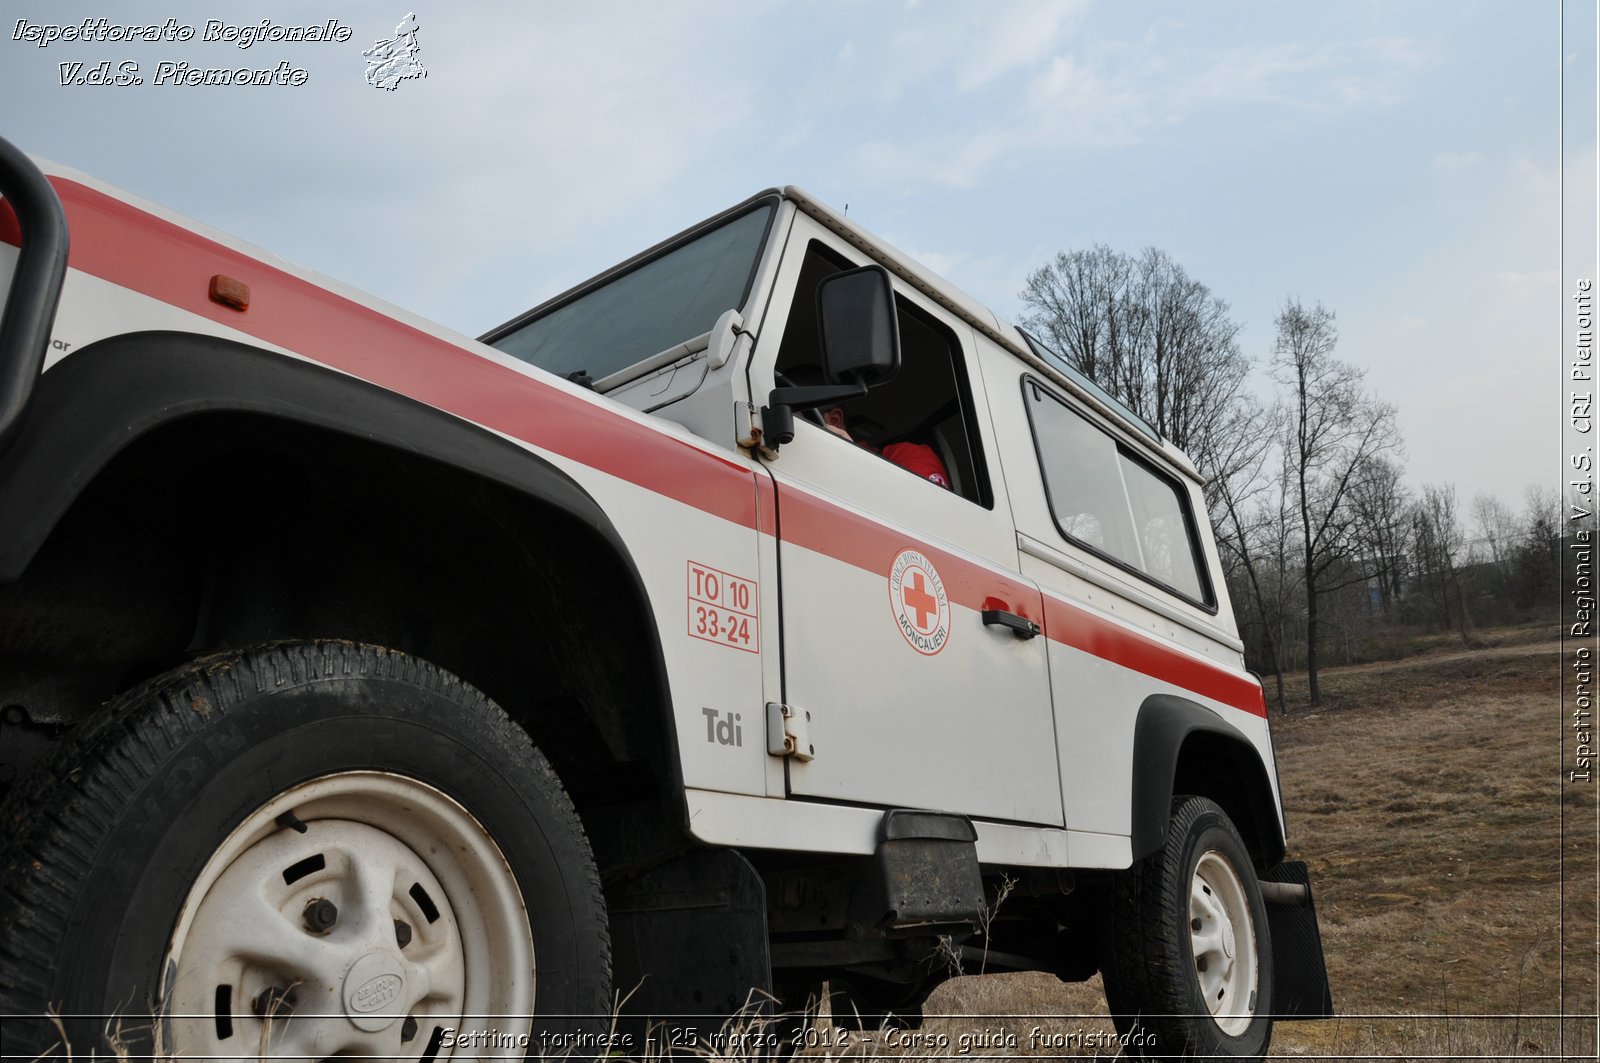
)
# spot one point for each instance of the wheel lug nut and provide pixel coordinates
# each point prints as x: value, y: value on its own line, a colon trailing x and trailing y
x: 320, y: 915
x: 402, y: 932
x: 408, y: 1029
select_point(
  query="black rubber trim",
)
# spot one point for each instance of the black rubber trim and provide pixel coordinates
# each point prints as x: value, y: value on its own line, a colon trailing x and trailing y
x: 35, y: 290
x: 1165, y: 722
x: 902, y: 823
x: 94, y: 403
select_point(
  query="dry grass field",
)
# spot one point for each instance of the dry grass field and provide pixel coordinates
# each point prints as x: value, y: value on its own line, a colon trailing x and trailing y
x: 1426, y: 795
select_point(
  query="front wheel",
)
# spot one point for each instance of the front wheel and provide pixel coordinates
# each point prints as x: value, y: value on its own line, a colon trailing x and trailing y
x: 1187, y: 962
x: 307, y: 849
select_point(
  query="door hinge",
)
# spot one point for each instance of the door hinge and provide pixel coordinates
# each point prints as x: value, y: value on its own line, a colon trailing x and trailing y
x: 789, y: 732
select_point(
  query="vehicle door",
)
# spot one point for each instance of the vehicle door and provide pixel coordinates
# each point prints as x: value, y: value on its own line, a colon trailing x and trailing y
x: 906, y: 629
x: 1109, y: 529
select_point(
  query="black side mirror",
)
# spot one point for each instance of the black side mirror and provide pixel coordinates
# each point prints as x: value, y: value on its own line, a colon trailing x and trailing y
x: 856, y: 322
x: 860, y: 339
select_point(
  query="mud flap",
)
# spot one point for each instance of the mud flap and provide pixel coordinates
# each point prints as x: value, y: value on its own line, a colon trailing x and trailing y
x: 688, y: 947
x: 924, y: 876
x: 1300, y: 982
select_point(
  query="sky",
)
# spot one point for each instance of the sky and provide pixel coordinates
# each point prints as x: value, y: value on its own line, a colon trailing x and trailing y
x: 1401, y: 163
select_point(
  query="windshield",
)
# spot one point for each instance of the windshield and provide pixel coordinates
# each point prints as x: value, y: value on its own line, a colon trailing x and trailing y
x: 625, y: 316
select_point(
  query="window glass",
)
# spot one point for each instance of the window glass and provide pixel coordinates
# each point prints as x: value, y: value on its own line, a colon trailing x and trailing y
x: 1104, y: 498
x: 1160, y: 525
x: 1084, y: 479
x: 928, y: 406
x: 673, y: 297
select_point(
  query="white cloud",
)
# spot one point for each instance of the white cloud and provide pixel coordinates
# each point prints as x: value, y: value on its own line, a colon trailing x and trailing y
x: 965, y: 45
x: 1013, y: 37
x: 1099, y: 96
x: 1329, y: 78
x: 1075, y: 103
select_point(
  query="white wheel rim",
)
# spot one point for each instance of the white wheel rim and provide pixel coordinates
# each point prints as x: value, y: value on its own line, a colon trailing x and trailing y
x: 429, y: 945
x: 1222, y: 941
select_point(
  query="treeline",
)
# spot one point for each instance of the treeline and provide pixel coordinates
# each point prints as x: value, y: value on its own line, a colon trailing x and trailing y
x: 1328, y: 553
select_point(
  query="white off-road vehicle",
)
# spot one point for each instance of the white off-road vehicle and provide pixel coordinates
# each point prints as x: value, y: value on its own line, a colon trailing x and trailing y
x: 750, y: 617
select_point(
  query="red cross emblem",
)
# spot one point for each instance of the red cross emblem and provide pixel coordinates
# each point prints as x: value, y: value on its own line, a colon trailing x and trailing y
x: 917, y: 599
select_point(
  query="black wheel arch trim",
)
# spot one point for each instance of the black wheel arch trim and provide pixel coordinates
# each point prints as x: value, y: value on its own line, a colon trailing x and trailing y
x: 1165, y: 722
x: 90, y: 406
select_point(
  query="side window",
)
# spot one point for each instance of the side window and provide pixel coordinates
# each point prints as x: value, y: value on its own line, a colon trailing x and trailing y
x: 1106, y: 498
x: 926, y: 410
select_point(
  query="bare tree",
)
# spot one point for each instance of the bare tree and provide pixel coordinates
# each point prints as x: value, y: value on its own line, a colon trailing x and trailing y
x: 1078, y: 303
x: 1542, y: 507
x: 1440, y: 545
x: 1148, y: 333
x: 1496, y: 526
x: 1381, y: 504
x: 1539, y: 557
x: 1334, y: 431
x: 1277, y: 520
x: 1241, y: 480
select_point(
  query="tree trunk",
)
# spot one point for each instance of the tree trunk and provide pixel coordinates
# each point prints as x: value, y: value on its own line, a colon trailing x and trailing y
x: 1266, y: 631
x: 1311, y: 640
x: 1461, y: 598
x: 1277, y: 668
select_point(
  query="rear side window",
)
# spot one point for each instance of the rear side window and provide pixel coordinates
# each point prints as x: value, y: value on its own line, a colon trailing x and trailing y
x: 1107, y: 499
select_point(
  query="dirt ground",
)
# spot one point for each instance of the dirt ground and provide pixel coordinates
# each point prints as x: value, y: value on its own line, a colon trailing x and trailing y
x: 1427, y: 797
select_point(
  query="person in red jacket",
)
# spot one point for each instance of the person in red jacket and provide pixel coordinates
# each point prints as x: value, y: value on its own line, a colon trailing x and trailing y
x: 917, y: 458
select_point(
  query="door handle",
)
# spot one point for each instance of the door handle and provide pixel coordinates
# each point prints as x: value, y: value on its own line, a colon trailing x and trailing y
x: 1020, y: 626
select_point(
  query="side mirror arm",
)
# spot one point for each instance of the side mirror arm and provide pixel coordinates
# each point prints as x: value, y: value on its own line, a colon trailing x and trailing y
x: 777, y: 417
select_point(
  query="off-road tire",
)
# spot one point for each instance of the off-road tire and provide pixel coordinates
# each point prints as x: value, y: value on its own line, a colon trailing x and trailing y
x: 1148, y: 955
x: 101, y: 847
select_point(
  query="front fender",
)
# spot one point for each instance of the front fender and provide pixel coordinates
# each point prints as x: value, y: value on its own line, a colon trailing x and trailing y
x: 94, y: 404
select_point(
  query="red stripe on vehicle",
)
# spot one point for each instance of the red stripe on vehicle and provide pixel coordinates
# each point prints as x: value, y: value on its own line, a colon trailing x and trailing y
x: 830, y: 529
x: 826, y: 528
x: 127, y: 246
x: 1075, y: 626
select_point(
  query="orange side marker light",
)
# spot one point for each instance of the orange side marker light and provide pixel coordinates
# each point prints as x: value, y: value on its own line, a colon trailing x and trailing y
x: 234, y: 294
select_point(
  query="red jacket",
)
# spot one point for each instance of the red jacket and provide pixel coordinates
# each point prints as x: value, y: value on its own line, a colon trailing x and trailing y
x: 919, y: 459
